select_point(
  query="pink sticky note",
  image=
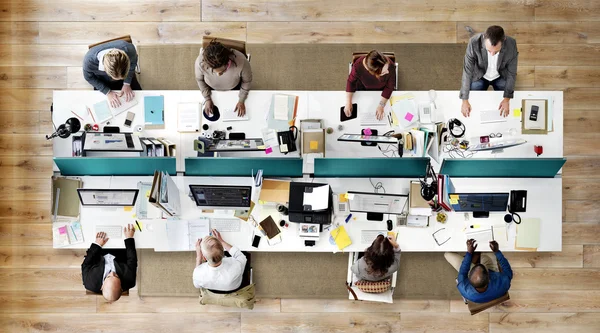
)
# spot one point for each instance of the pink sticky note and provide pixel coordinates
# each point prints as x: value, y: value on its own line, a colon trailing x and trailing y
x: 409, y: 116
x: 62, y: 230
x: 268, y: 150
x: 367, y: 131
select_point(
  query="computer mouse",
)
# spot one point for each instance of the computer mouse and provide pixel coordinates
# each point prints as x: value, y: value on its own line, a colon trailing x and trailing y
x: 215, y: 116
x: 390, y: 225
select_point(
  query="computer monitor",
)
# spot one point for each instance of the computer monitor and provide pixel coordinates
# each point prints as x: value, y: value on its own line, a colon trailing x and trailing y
x: 481, y: 204
x: 107, y: 197
x: 376, y: 203
x: 222, y: 196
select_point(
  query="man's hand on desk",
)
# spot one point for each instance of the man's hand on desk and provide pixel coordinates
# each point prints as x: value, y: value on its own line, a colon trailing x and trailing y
x: 113, y: 99
x: 129, y: 230
x: 126, y: 90
x: 208, y: 107
x: 466, y: 108
x: 240, y: 108
x: 504, y: 107
x: 101, y: 238
x: 379, y: 112
x: 494, y: 246
x: 471, y: 246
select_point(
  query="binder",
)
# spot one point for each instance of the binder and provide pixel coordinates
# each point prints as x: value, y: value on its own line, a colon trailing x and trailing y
x: 154, y: 112
x: 65, y: 200
x: 164, y: 194
x: 159, y: 148
x: 170, y: 147
x: 147, y: 146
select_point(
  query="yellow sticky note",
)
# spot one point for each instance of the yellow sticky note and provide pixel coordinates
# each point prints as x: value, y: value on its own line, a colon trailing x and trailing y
x: 314, y: 145
x: 517, y: 113
x: 128, y: 208
x: 454, y: 199
x: 261, y: 147
x: 343, y: 197
x: 393, y: 234
x: 148, y: 194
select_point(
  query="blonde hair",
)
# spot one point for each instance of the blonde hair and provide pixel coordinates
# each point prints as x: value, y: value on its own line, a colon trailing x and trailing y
x: 116, y: 64
x: 212, y: 249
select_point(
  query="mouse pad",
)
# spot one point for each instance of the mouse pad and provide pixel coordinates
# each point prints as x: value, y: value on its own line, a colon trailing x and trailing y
x: 352, y: 116
x: 216, y: 115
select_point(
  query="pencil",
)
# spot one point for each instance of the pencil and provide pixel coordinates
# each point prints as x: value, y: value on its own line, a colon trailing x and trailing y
x: 76, y: 115
x: 73, y: 231
x: 91, y: 114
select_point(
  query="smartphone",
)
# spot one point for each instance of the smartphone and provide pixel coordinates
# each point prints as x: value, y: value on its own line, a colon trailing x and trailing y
x: 534, y: 113
x: 129, y: 118
x: 256, y: 241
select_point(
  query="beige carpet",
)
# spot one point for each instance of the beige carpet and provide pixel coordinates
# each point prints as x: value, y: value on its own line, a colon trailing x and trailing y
x: 307, y: 66
x: 299, y: 275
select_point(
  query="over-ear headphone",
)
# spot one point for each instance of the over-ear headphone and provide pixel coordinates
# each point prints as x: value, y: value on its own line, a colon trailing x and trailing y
x: 456, y: 127
x: 428, y: 191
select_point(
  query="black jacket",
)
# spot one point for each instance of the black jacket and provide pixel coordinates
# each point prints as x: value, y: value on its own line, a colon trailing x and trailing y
x: 92, y: 268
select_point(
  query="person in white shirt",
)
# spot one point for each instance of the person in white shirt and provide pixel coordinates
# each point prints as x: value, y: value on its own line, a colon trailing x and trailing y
x: 491, y: 59
x: 213, y: 270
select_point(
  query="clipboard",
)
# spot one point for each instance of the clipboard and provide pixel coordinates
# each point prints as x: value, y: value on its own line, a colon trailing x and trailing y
x: 526, y: 112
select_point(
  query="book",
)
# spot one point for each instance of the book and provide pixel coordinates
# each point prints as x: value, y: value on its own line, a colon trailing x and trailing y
x: 154, y: 112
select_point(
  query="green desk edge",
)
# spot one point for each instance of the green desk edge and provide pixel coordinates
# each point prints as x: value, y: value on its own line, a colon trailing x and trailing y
x: 114, y: 166
x: 502, y: 167
x: 411, y: 167
x: 243, y: 167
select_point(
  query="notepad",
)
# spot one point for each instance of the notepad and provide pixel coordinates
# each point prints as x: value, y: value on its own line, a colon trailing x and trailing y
x: 101, y: 112
x: 340, y: 237
x: 528, y: 234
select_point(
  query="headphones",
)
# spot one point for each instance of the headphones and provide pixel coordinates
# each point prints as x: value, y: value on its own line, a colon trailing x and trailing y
x: 456, y: 127
x: 429, y: 190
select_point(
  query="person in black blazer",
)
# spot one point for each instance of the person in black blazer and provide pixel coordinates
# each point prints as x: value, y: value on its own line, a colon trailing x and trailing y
x: 113, y: 271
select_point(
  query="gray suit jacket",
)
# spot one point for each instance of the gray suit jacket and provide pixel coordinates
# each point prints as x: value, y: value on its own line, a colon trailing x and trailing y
x: 475, y: 64
x: 98, y: 78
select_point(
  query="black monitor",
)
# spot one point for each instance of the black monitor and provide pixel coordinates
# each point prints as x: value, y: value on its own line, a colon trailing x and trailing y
x: 481, y: 204
x: 222, y: 196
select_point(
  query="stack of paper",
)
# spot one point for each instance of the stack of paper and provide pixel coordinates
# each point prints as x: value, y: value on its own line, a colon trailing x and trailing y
x: 317, y: 199
x: 528, y: 235
x: 65, y: 234
x: 182, y: 235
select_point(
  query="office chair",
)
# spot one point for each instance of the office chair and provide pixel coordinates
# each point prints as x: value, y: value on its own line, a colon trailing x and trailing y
x: 354, y: 293
x: 475, y: 308
x: 230, y: 43
x: 126, y: 38
x: 390, y: 55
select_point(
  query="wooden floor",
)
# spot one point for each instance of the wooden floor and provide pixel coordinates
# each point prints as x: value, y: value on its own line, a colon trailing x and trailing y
x: 42, y: 44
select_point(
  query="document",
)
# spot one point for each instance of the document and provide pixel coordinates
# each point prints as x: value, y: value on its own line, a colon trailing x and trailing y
x: 482, y: 236
x: 188, y: 117
x: 528, y: 234
x: 198, y: 229
x: 280, y: 111
x: 182, y: 234
x: 318, y: 199
x: 101, y: 112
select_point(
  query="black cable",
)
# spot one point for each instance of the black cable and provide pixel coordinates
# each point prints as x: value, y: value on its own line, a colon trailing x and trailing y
x: 377, y: 186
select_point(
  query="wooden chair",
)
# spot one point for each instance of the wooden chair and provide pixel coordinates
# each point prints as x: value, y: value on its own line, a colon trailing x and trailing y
x: 87, y: 292
x: 126, y: 38
x: 230, y: 43
x: 355, y: 294
x: 475, y: 308
x: 391, y: 55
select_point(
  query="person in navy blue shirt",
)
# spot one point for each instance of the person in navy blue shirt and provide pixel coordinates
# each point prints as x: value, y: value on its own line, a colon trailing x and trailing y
x: 481, y: 278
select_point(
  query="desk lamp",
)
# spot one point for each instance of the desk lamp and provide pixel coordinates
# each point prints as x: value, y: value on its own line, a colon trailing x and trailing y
x: 72, y: 125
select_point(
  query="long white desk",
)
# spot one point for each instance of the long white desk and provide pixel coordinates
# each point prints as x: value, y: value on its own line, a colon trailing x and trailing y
x: 544, y: 195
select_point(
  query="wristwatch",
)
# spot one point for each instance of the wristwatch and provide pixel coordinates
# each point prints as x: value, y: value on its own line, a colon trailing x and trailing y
x: 381, y: 103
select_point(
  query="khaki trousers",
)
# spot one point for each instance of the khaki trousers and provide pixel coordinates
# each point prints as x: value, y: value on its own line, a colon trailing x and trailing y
x: 455, y: 259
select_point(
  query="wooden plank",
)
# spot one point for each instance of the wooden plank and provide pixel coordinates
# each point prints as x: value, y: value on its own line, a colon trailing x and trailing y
x: 46, y: 126
x: 135, y: 304
x: 25, y: 144
x: 25, y: 99
x: 567, y: 76
x: 572, y: 10
x: 26, y: 234
x: 25, y: 189
x: 581, y: 144
x: 19, y: 122
x: 582, y: 167
x: 22, y: 279
x: 525, y: 77
x: 26, y: 167
x: 536, y: 32
x: 351, y: 32
x: 543, y: 301
x: 42, y: 55
x: 75, y: 79
x: 41, y: 301
x: 581, y: 233
x: 40, y: 257
x: 555, y: 279
x: 570, y: 256
x: 576, y: 121
x: 580, y: 189
x: 581, y: 211
x: 547, y: 322
x: 443, y: 322
x: 353, y: 11
x: 31, y: 211
x: 591, y: 256
x: 122, y: 323
x: 100, y: 10
x: 18, y: 32
x: 582, y: 99
x: 559, y: 54
x: 33, y: 77
x: 320, y: 322
x: 337, y: 305
x: 141, y: 32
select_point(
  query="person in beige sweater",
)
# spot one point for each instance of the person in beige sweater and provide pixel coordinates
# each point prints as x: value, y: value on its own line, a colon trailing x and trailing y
x: 221, y: 68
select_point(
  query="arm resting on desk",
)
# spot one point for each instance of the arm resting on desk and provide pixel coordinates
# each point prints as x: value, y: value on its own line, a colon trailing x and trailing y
x: 131, y: 254
x: 503, y: 265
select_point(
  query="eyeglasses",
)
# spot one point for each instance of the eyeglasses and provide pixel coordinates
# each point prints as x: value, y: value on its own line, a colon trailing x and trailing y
x: 444, y: 237
x: 497, y: 135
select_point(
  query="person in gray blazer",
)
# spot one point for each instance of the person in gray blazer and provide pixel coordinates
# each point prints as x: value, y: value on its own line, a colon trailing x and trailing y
x: 491, y: 59
x: 110, y: 68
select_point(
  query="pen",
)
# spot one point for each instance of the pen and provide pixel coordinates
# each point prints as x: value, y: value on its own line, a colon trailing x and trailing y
x: 348, y: 218
x: 474, y: 226
x: 136, y: 223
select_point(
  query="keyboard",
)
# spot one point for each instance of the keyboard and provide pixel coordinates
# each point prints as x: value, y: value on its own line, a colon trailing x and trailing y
x: 225, y: 225
x: 491, y: 116
x: 112, y: 231
x: 368, y: 236
x: 370, y: 118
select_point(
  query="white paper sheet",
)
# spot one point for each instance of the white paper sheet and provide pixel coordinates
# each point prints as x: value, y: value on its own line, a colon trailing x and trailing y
x: 318, y: 199
x: 198, y: 229
x: 188, y: 117
x: 280, y: 110
x: 178, y: 235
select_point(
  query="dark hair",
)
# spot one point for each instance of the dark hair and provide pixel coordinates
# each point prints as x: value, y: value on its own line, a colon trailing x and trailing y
x: 216, y: 55
x: 495, y: 34
x: 482, y: 279
x: 379, y: 256
x: 375, y: 61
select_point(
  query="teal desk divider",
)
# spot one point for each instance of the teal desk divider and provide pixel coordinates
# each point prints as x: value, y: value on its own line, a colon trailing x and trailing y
x: 410, y: 167
x: 114, y: 166
x: 243, y: 167
x: 503, y: 167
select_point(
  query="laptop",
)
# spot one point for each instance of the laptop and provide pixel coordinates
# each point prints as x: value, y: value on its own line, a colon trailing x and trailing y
x: 111, y: 142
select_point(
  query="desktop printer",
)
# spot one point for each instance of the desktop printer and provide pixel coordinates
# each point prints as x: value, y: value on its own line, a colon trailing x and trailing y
x: 299, y: 212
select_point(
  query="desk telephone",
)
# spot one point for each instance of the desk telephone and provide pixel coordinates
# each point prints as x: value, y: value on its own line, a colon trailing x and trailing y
x: 287, y: 140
